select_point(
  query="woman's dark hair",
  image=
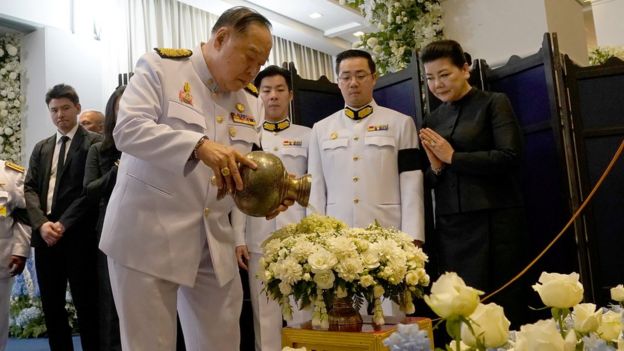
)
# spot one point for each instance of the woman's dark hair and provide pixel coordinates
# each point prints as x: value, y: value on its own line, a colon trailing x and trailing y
x: 444, y: 49
x: 111, y: 118
x: 355, y: 53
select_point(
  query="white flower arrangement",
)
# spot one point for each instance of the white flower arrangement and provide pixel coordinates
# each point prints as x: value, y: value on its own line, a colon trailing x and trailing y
x: 320, y: 258
x: 11, y: 98
x: 403, y: 26
x: 575, y: 326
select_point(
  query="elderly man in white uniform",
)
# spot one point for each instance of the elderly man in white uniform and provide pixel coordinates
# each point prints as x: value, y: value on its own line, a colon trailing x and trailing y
x: 364, y: 159
x: 14, y: 238
x: 290, y: 143
x: 184, y: 119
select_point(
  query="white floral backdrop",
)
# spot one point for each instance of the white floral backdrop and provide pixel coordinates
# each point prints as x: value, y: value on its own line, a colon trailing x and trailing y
x: 11, y: 98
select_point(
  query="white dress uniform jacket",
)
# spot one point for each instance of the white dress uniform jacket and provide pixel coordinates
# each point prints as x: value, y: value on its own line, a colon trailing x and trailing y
x: 163, y: 207
x: 14, y: 238
x: 356, y: 175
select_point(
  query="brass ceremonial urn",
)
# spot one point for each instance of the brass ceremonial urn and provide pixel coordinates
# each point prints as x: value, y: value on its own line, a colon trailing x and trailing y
x: 269, y: 185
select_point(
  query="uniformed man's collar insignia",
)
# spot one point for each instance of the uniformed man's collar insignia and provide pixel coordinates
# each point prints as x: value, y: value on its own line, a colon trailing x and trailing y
x: 250, y: 88
x: 14, y: 166
x: 376, y: 128
x: 173, y: 53
x: 292, y: 142
x: 240, y: 107
x: 276, y: 126
x: 185, y: 94
x: 243, y: 118
x: 333, y: 135
x: 358, y: 114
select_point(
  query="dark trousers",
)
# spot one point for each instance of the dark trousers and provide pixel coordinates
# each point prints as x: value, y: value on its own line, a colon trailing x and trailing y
x: 72, y: 262
x: 486, y: 249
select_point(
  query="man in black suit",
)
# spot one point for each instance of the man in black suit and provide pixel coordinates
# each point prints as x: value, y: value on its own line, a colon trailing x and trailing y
x: 63, y: 222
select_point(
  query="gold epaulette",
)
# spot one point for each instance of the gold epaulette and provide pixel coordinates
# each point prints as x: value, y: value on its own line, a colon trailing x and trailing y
x: 173, y: 53
x: 14, y: 166
x: 251, y: 89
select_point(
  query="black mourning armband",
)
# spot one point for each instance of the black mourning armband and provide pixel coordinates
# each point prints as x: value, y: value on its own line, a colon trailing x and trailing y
x: 409, y: 160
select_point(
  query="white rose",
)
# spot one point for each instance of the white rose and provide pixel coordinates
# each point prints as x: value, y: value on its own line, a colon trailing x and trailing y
x: 617, y: 293
x: 490, y: 325
x: 542, y: 335
x: 559, y: 290
x: 450, y: 297
x: 611, y: 326
x: 12, y: 75
x: 324, y: 279
x: 11, y: 50
x: 586, y: 318
x: 322, y: 260
x: 8, y: 131
x: 371, y: 42
x: 370, y: 259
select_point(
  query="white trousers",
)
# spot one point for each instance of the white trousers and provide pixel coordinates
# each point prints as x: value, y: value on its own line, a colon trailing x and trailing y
x: 5, y: 299
x: 267, y: 313
x: 147, y: 305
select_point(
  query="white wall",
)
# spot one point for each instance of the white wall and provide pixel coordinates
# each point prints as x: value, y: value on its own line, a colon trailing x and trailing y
x: 496, y: 29
x: 566, y: 19
x: 609, y: 22
x: 53, y: 13
x: 52, y: 56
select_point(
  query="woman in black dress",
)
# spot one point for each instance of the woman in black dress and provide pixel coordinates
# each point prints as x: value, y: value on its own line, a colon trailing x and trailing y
x: 473, y: 142
x: 99, y: 180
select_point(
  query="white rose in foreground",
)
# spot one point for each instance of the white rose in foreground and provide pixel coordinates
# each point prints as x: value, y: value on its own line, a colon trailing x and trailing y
x: 543, y: 336
x: 617, y: 293
x: 611, y: 326
x: 450, y: 297
x: 586, y: 318
x: 324, y: 279
x: 559, y: 290
x: 490, y: 325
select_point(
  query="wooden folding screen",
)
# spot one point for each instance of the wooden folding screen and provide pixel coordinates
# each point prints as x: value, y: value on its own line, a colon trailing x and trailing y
x: 596, y: 99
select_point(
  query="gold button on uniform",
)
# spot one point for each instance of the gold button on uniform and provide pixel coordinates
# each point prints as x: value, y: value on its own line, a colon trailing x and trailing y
x: 355, y: 158
x: 232, y: 131
x: 213, y: 180
x: 356, y: 201
x: 355, y: 179
x: 206, y: 211
x: 219, y: 119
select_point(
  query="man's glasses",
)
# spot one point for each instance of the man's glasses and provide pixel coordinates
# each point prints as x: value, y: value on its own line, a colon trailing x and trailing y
x: 360, y: 77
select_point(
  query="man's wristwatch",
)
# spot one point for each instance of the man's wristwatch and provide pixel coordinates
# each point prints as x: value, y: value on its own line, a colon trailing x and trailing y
x: 194, y: 155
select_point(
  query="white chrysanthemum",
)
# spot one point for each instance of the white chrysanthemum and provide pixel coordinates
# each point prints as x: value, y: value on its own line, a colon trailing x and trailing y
x: 324, y: 279
x: 289, y: 270
x: 350, y: 268
x: 367, y: 280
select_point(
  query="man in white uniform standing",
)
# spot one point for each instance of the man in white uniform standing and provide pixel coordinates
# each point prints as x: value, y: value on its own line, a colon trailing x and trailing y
x: 14, y: 238
x: 290, y: 143
x: 184, y: 119
x: 364, y: 159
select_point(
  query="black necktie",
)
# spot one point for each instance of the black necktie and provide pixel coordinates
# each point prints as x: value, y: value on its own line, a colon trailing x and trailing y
x: 59, y: 167
x: 61, y: 156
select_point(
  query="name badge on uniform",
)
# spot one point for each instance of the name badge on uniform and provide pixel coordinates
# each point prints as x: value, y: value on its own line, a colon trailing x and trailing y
x: 373, y: 128
x: 3, y: 211
x: 243, y: 118
x: 292, y: 142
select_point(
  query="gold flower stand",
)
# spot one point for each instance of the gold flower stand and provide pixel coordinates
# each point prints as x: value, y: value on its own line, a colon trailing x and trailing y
x: 370, y: 338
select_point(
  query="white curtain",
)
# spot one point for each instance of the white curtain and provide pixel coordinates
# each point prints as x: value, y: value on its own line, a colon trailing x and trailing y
x: 141, y: 25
